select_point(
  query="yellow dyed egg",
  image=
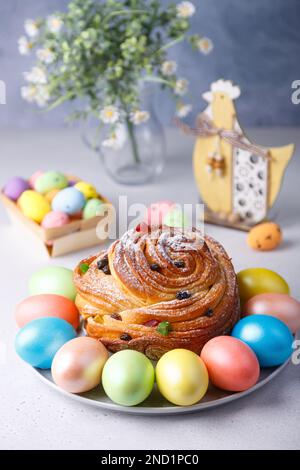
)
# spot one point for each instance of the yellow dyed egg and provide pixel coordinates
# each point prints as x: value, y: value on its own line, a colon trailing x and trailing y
x: 87, y: 189
x: 181, y: 377
x: 34, y: 205
x: 264, y: 237
x: 51, y: 194
x: 255, y: 281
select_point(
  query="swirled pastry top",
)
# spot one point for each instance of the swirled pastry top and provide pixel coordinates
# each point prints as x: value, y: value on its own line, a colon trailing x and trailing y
x: 166, y: 275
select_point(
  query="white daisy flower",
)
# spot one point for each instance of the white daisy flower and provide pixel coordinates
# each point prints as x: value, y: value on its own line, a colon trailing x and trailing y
x: 109, y: 114
x: 31, y: 28
x: 185, y: 9
x: 168, y: 67
x: 28, y: 93
x: 36, y: 76
x: 117, y: 139
x: 205, y: 45
x: 35, y: 94
x: 139, y: 117
x: 54, y: 24
x: 45, y: 55
x: 42, y: 96
x: 24, y: 45
x: 181, y: 87
x: 183, y: 110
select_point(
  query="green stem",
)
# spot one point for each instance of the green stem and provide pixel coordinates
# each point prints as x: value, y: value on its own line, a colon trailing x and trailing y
x: 133, y: 141
x: 170, y: 44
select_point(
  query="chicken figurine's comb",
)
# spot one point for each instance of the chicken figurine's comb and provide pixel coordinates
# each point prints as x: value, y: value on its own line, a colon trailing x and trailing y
x: 222, y: 86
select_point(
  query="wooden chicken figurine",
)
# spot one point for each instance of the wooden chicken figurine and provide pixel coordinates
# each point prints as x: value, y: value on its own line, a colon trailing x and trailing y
x: 238, y: 180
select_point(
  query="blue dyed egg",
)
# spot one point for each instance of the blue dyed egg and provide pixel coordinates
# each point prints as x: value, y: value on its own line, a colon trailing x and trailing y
x: 68, y: 200
x: 39, y: 340
x: 267, y: 336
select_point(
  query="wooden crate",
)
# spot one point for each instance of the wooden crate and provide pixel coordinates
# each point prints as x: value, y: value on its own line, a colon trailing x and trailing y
x: 76, y: 235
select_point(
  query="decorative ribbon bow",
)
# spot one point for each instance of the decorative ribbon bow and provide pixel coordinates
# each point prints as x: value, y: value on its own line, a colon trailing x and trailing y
x: 206, y: 128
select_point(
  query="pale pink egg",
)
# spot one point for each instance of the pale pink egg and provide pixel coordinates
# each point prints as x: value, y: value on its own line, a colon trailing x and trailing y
x: 281, y: 306
x: 77, y: 365
x: 55, y: 219
x: 231, y: 364
x: 46, y: 305
x: 157, y: 211
x: 34, y: 177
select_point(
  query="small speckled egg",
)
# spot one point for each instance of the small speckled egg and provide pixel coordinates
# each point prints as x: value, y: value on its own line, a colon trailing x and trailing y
x: 15, y: 187
x: 77, y: 366
x: 264, y: 237
x: 50, y: 180
x: 46, y: 305
x: 34, y: 205
x: 231, y: 364
x: 92, y: 208
x: 68, y: 200
x: 34, y: 177
x: 55, y: 219
x: 87, y: 189
x: 51, y: 195
x: 39, y: 340
x: 53, y: 280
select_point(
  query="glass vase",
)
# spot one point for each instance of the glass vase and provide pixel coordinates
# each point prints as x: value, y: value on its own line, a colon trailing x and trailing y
x: 138, y: 154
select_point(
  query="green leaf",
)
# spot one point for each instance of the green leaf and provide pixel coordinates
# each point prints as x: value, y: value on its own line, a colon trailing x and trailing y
x: 59, y: 101
x: 123, y: 12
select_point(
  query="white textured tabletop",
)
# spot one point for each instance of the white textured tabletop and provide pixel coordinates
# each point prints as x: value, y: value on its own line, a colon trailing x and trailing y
x: 32, y: 416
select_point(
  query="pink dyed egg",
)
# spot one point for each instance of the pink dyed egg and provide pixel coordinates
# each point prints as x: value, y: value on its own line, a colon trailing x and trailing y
x: 55, y: 219
x: 34, y: 177
x: 231, y: 364
x: 157, y: 211
x: 282, y: 306
x: 77, y: 365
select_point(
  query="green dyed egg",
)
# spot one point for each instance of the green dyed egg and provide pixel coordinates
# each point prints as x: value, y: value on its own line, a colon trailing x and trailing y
x: 50, y: 180
x: 92, y: 207
x: 128, y: 377
x: 176, y: 218
x: 53, y: 280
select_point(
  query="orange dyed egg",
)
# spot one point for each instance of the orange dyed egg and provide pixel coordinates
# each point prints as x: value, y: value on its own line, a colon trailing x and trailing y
x: 51, y: 194
x: 231, y: 364
x: 264, y: 237
x: 46, y: 305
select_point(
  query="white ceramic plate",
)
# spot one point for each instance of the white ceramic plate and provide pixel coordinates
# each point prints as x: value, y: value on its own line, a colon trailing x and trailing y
x: 155, y: 403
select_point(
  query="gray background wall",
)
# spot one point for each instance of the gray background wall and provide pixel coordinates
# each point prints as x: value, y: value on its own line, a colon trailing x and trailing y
x: 257, y: 45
